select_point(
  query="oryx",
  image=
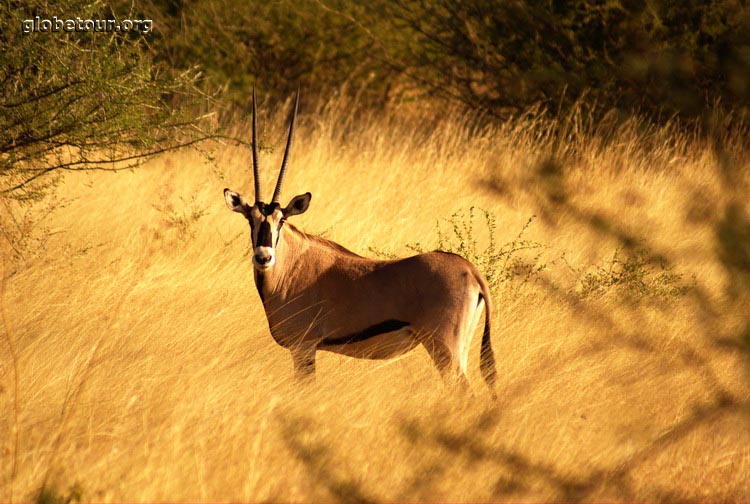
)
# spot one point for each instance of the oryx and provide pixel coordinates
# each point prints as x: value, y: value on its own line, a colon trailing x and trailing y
x: 317, y: 295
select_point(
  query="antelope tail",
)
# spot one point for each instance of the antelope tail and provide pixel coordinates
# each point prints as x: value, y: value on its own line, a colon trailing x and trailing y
x: 487, y: 356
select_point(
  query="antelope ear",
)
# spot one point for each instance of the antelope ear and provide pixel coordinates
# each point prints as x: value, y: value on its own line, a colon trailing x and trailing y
x: 235, y: 202
x: 298, y: 205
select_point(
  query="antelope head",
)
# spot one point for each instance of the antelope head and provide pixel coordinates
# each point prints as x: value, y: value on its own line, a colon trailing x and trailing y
x: 267, y: 219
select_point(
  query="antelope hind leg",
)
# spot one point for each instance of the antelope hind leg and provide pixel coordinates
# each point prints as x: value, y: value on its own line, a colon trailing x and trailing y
x: 447, y: 363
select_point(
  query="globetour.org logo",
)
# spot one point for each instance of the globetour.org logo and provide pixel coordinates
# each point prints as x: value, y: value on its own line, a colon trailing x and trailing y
x: 44, y: 25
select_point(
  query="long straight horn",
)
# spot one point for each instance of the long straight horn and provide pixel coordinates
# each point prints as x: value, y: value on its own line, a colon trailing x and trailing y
x: 256, y: 170
x: 280, y: 181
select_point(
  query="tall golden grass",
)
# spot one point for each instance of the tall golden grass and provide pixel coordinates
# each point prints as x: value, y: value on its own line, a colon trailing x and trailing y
x: 146, y: 372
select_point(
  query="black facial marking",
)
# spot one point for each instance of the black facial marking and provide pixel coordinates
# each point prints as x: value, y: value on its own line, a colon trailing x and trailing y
x: 259, y: 285
x: 267, y: 208
x: 370, y: 332
x: 264, y: 235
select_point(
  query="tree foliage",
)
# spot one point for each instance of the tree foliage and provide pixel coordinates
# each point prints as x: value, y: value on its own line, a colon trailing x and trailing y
x: 660, y: 57
x: 84, y: 100
x: 670, y: 56
x: 320, y: 45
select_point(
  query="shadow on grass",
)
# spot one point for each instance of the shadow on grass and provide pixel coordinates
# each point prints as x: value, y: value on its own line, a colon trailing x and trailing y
x: 319, y: 462
x: 526, y: 472
x: 731, y: 225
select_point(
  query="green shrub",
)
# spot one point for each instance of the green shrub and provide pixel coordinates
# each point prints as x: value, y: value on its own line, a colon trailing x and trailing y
x: 637, y: 275
x: 519, y: 262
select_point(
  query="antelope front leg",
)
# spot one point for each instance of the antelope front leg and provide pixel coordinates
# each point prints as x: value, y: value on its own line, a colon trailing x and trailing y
x: 304, y: 365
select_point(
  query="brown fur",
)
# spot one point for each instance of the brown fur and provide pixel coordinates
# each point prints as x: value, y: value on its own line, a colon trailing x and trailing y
x: 320, y: 290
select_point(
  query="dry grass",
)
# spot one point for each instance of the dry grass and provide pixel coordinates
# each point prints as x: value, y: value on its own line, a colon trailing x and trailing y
x: 147, y: 373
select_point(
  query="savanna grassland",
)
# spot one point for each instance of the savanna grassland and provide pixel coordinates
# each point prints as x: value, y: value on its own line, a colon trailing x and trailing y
x: 137, y: 364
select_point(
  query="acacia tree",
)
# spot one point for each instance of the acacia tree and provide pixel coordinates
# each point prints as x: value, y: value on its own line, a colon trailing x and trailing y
x: 85, y: 100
